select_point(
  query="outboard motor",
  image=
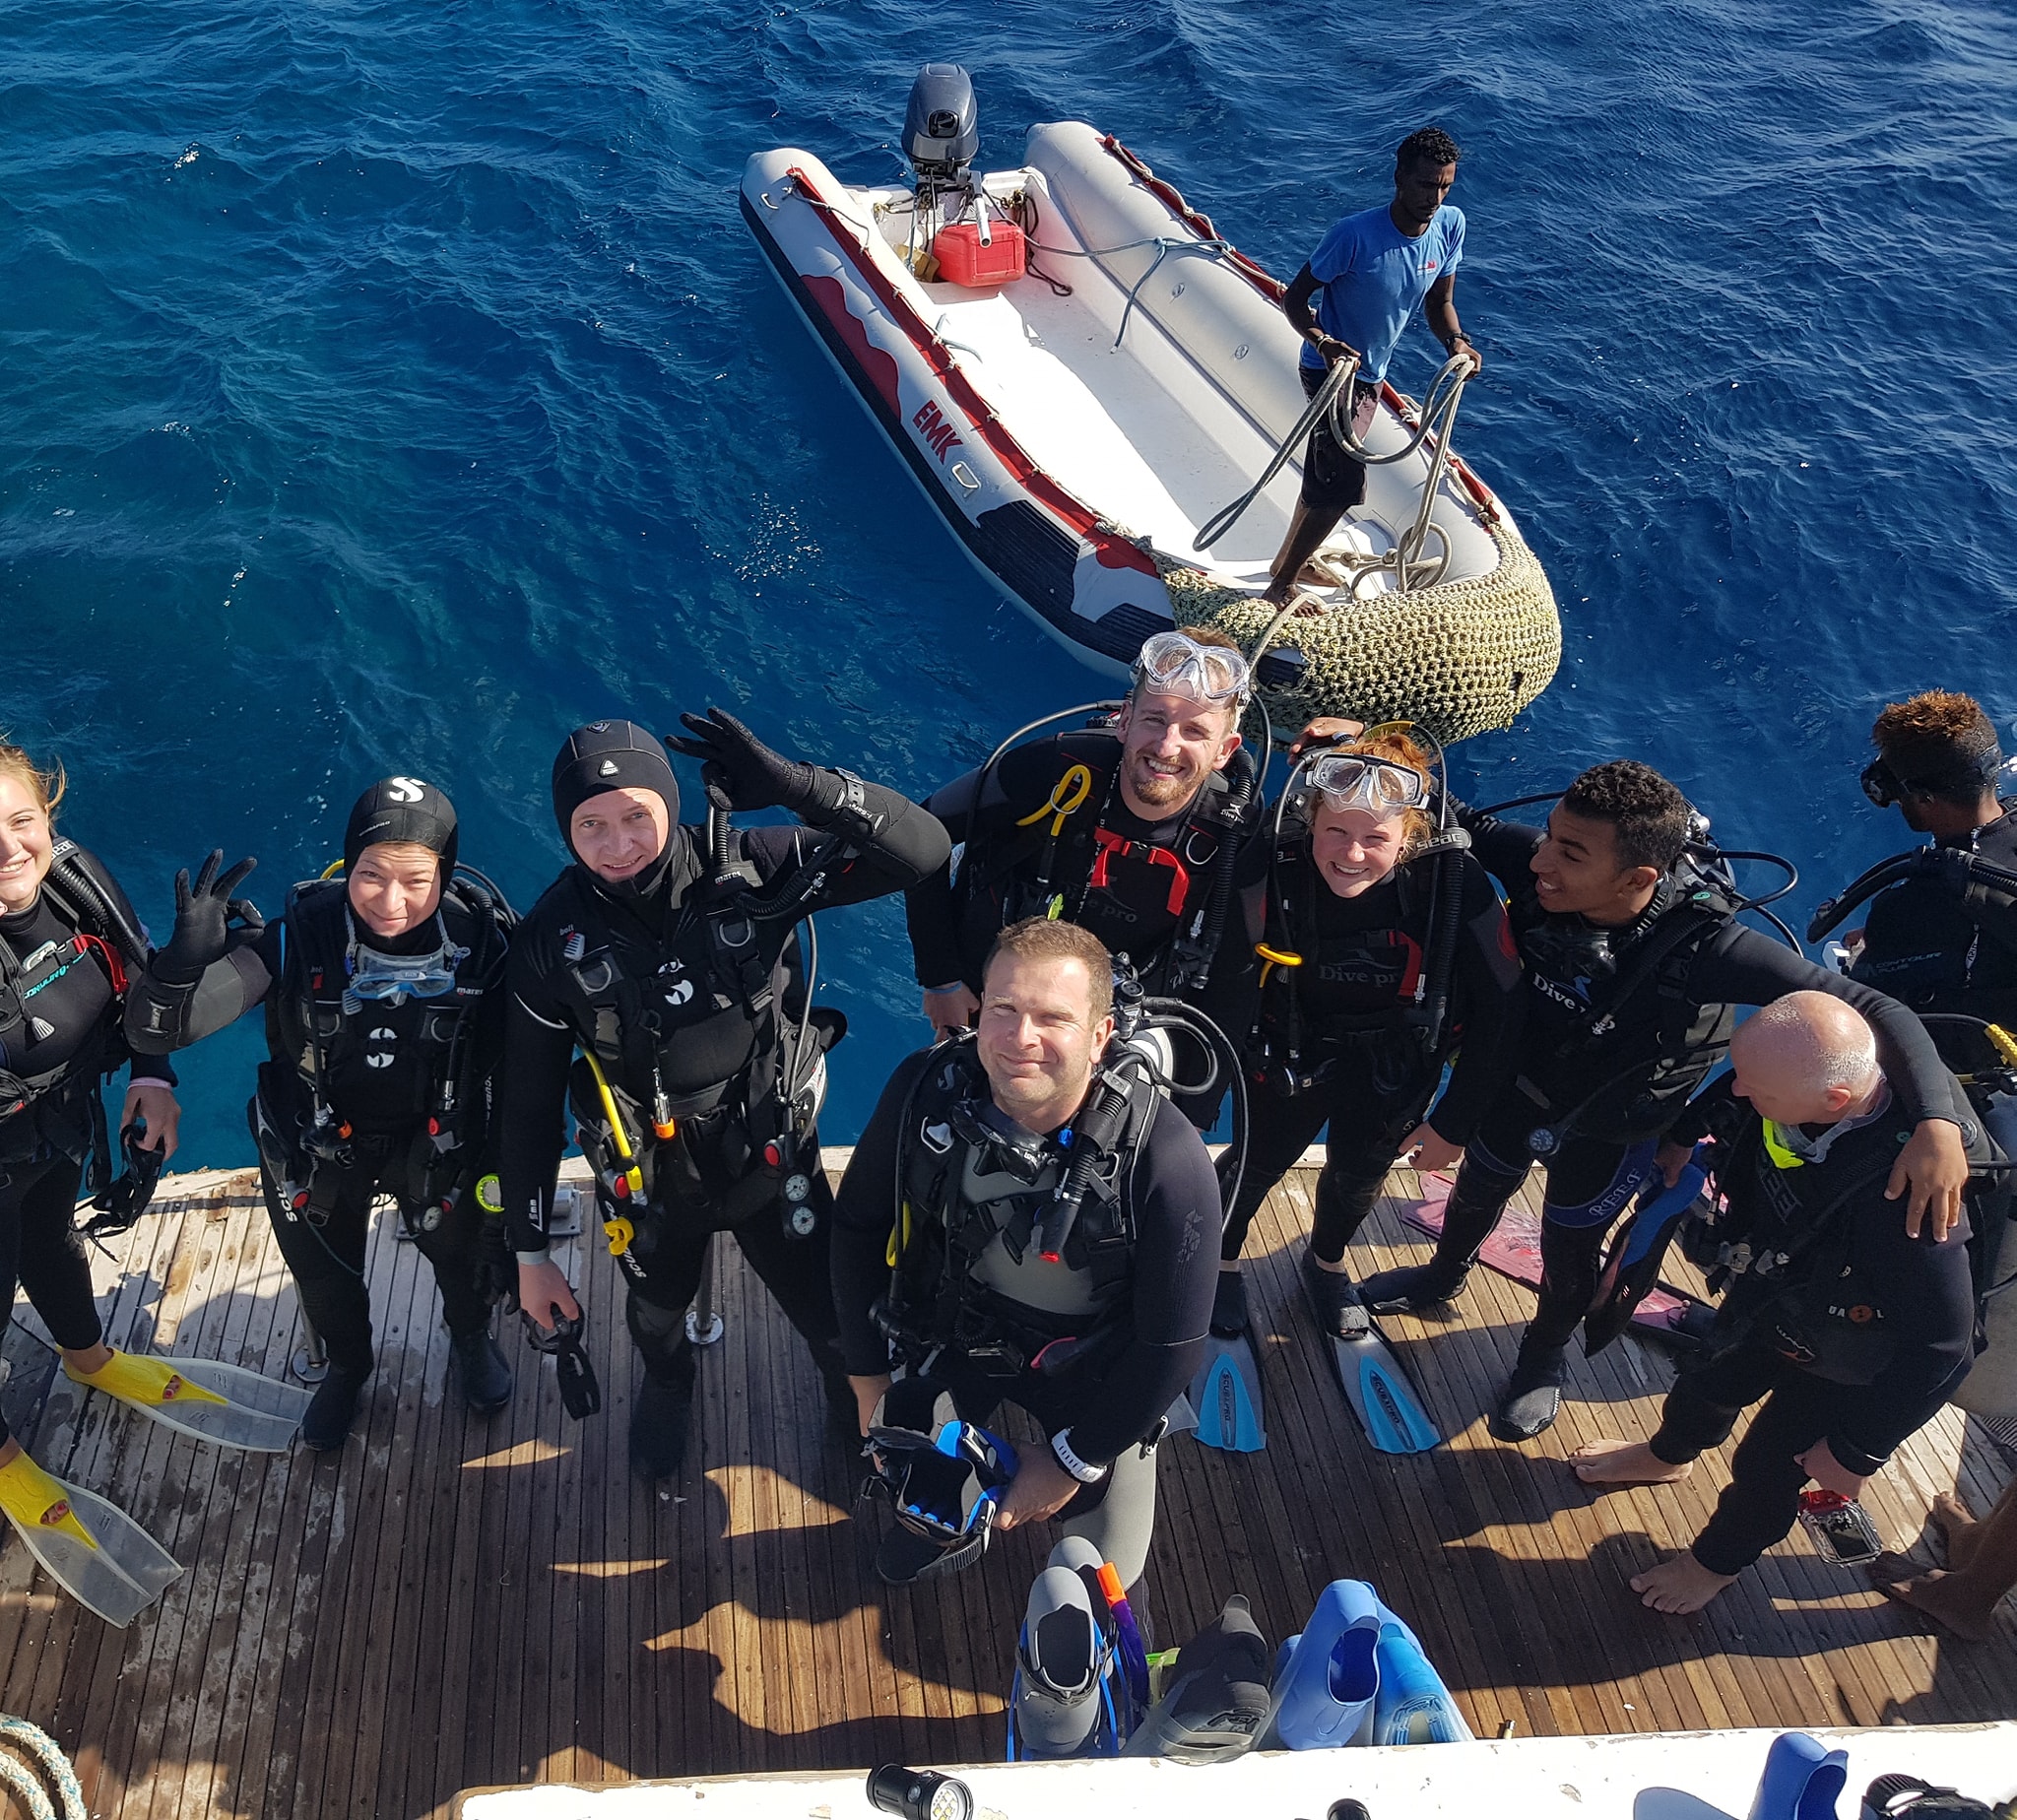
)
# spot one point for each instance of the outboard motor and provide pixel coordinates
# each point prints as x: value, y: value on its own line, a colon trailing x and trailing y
x: 941, y: 126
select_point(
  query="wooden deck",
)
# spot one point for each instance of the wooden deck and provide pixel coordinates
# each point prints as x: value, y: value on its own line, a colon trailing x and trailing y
x: 453, y: 1602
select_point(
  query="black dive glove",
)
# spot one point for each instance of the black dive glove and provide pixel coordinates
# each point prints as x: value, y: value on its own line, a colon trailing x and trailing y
x: 497, y: 1265
x: 204, y: 915
x: 737, y: 764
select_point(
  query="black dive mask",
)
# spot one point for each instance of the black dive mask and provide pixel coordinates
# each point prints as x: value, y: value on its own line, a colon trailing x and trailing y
x: 1968, y: 779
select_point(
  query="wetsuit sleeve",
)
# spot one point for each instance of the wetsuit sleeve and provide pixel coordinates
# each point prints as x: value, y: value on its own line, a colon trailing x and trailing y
x: 1489, y: 1002
x: 1929, y: 1305
x: 1502, y: 848
x: 861, y: 1211
x: 1741, y: 966
x: 898, y: 844
x: 930, y: 911
x: 539, y: 1046
x: 1178, y: 1219
x: 160, y: 1018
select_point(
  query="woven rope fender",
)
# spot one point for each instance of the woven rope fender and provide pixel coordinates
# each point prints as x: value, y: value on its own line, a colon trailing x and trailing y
x: 1463, y: 657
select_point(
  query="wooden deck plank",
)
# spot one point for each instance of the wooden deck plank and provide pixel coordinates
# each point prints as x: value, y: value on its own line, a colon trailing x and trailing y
x: 451, y: 1602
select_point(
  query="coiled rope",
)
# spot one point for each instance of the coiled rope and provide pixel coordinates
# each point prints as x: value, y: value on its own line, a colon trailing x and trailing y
x: 1437, y: 419
x: 36, y: 1743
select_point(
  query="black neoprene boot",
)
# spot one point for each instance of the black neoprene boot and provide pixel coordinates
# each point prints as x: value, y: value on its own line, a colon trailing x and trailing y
x: 1414, y: 1287
x: 1334, y: 1298
x: 1533, y: 1394
x: 332, y: 1409
x: 481, y: 1372
x: 1229, y: 1305
x: 1476, y: 1202
x: 658, y: 1421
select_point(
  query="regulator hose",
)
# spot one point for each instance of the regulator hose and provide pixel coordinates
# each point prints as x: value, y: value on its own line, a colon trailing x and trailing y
x: 1920, y: 862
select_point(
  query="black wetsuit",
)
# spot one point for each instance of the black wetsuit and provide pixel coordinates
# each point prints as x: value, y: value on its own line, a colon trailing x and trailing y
x: 685, y: 1023
x: 1927, y: 947
x: 1622, y: 1024
x: 1141, y: 886
x: 1137, y: 1327
x: 378, y: 1069
x: 1349, y: 1014
x: 1857, y: 1340
x: 62, y: 972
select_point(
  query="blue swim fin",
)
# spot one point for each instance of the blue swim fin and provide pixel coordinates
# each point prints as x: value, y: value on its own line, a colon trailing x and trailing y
x: 1801, y: 1781
x: 1226, y: 1395
x: 1380, y: 1394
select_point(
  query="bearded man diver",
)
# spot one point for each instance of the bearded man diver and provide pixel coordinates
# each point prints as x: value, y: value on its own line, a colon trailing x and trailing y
x: 669, y: 953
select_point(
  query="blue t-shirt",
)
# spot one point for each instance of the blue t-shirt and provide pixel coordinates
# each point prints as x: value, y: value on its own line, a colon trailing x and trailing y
x: 1374, y: 278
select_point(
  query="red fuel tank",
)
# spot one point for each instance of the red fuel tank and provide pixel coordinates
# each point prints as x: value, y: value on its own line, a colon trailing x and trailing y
x: 963, y: 260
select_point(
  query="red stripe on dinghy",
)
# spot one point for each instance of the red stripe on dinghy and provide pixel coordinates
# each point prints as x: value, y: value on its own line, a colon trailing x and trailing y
x: 1273, y: 290
x: 878, y: 362
x: 1112, y: 552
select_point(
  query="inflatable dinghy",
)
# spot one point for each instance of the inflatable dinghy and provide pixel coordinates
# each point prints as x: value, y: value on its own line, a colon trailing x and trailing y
x: 1081, y: 373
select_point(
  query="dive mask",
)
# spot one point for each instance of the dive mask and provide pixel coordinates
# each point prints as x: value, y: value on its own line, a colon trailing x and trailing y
x: 1884, y: 787
x: 1171, y: 664
x: 1379, y: 786
x: 392, y: 979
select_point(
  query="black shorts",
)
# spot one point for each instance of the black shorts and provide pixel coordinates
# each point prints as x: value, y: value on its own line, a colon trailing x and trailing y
x: 1334, y: 481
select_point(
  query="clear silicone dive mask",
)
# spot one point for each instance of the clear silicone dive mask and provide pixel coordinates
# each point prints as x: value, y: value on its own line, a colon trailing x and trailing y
x: 392, y: 979
x: 1352, y: 780
x: 1171, y: 665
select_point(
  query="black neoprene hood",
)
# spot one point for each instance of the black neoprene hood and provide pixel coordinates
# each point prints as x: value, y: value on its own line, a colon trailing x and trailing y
x: 613, y: 755
x: 402, y: 809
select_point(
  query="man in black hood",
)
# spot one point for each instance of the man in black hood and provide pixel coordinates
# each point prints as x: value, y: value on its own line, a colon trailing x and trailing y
x: 669, y: 954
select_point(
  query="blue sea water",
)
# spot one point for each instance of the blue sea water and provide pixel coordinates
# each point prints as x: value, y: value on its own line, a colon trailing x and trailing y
x: 392, y: 388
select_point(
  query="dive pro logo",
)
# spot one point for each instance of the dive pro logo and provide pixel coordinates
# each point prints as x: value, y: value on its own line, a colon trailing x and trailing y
x: 938, y: 433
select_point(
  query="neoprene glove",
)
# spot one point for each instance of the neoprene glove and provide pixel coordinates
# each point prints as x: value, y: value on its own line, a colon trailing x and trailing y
x: 737, y: 764
x: 204, y: 913
x: 497, y: 1265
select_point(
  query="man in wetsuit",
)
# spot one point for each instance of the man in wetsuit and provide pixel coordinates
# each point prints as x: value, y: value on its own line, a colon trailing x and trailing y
x: 1129, y: 832
x: 1093, y: 1327
x: 669, y: 953
x: 1633, y: 961
x: 1851, y: 1333
x: 1945, y: 941
x: 1367, y: 276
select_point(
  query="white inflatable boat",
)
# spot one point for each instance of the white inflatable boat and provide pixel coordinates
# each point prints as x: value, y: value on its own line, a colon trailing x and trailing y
x: 1077, y: 420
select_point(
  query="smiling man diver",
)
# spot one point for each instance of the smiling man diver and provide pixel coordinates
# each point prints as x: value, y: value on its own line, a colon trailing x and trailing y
x: 1367, y: 276
x: 1125, y: 830
x: 669, y: 953
x: 1635, y: 963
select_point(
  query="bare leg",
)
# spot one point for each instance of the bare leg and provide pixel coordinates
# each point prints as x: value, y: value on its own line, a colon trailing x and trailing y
x: 1964, y: 1600
x: 1307, y: 530
x: 1957, y: 1526
x: 1678, y: 1586
x: 1625, y: 1462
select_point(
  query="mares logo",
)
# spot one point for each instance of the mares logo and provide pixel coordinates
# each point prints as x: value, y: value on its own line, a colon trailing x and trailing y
x: 938, y: 433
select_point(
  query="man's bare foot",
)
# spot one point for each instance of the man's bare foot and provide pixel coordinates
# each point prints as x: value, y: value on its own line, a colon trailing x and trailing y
x: 1958, y: 1528
x: 1948, y: 1603
x: 1889, y: 1567
x: 1625, y: 1462
x: 1678, y: 1586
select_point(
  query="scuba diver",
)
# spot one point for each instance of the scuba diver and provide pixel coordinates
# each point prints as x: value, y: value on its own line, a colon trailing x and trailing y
x: 70, y: 943
x: 1367, y: 276
x: 1383, y: 950
x: 1027, y: 1218
x: 1633, y: 962
x: 670, y: 954
x: 1941, y: 934
x: 1852, y: 1334
x: 384, y: 995
x: 1131, y: 831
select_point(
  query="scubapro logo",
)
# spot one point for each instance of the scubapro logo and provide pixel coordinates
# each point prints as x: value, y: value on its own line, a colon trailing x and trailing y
x: 678, y: 991
x: 407, y: 790
x: 381, y: 1035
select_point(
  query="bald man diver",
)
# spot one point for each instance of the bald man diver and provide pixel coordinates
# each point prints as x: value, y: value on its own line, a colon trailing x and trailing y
x: 1853, y: 1342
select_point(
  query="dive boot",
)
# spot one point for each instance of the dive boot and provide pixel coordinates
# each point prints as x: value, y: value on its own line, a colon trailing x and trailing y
x: 1533, y: 1394
x: 90, y: 1547
x: 333, y: 1408
x: 658, y: 1421
x: 1335, y: 1301
x: 481, y: 1372
x: 1413, y: 1288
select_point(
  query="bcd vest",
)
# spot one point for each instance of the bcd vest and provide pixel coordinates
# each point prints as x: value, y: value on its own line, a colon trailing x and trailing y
x: 974, y: 1191
x: 35, y: 1103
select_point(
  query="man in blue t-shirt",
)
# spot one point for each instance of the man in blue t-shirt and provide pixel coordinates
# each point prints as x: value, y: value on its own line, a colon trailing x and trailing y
x: 1367, y: 277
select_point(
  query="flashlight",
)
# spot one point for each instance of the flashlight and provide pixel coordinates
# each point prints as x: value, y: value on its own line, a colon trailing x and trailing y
x: 918, y: 1795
